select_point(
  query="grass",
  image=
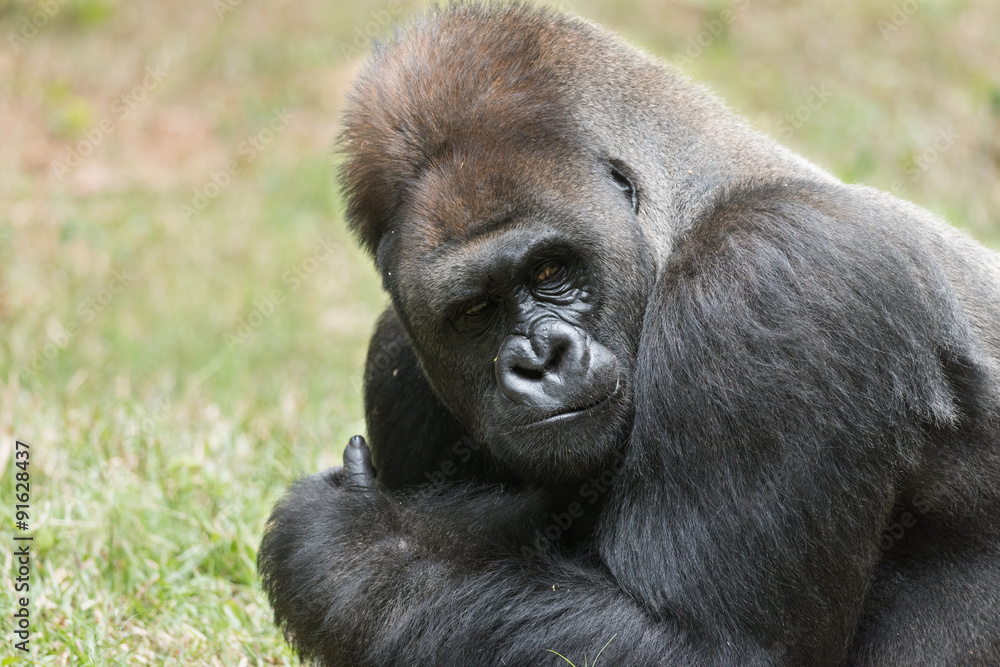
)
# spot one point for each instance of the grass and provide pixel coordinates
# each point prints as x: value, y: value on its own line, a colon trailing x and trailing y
x: 174, y: 371
x: 586, y: 663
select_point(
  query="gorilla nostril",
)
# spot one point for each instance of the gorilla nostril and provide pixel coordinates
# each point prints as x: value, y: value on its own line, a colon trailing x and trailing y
x: 528, y: 373
x: 535, y: 371
x: 555, y: 357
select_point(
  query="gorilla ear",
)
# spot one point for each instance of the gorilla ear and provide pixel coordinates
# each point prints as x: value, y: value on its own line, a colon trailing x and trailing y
x: 619, y: 174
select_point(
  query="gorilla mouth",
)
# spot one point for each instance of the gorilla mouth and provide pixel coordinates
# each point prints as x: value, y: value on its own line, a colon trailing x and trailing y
x: 578, y: 412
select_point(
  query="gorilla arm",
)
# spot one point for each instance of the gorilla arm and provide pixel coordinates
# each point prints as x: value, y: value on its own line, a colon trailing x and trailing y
x: 359, y: 576
x: 807, y: 357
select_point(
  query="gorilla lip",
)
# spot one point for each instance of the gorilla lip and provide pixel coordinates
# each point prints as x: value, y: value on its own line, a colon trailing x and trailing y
x: 572, y: 414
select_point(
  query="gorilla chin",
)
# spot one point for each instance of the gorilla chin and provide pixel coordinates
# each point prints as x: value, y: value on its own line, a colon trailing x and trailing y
x: 564, y: 446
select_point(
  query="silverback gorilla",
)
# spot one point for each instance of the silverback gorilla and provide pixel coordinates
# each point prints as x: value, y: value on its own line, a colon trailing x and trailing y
x: 650, y: 383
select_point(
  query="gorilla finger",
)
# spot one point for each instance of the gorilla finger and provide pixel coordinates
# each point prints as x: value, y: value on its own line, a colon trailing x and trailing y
x: 359, y: 475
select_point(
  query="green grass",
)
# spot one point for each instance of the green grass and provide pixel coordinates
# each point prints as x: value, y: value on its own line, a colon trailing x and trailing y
x: 158, y: 444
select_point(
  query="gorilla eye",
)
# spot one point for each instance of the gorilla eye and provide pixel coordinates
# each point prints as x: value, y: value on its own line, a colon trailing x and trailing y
x: 551, y: 276
x: 548, y: 272
x: 625, y: 184
x: 552, y: 279
x: 476, y: 309
x: 475, y: 317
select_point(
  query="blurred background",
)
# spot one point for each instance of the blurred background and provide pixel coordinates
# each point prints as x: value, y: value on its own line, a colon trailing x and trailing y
x: 184, y: 318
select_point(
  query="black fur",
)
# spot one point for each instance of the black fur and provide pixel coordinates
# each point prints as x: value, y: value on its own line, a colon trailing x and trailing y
x: 803, y: 466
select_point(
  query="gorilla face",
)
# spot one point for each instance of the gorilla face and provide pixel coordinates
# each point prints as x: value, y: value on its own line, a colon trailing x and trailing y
x: 519, y: 294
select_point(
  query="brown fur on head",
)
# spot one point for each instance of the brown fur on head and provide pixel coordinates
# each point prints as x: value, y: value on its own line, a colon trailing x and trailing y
x: 473, y: 93
x: 458, y: 99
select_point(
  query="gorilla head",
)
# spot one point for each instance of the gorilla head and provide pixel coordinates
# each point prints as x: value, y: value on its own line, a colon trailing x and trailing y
x: 510, y: 241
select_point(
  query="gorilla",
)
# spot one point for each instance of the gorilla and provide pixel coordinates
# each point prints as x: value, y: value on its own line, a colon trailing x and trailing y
x: 651, y: 388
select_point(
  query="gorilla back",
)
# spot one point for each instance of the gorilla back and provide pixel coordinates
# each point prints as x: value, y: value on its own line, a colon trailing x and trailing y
x: 694, y: 400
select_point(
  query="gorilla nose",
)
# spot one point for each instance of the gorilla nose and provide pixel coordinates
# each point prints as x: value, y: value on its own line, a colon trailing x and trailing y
x: 553, y: 368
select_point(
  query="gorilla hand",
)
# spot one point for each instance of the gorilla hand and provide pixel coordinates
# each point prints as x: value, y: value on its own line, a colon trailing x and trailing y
x: 340, y: 559
x: 324, y: 530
